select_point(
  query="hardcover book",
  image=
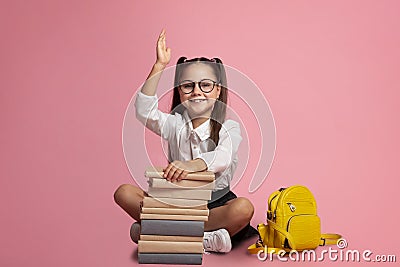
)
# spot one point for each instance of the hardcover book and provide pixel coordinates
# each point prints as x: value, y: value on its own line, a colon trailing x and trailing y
x: 169, y: 258
x: 145, y: 246
x: 151, y: 216
x: 171, y: 238
x: 185, y: 184
x: 172, y: 227
x: 200, y: 176
x: 176, y: 211
x: 162, y: 202
x: 180, y: 193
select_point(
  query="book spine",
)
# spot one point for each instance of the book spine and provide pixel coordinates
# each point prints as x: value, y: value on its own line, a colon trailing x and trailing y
x: 145, y: 246
x: 166, y: 258
x: 198, y: 176
x: 151, y: 216
x: 175, y: 211
x: 171, y: 238
x: 180, y: 193
x: 170, y: 227
x: 150, y: 202
x: 190, y: 176
x: 183, y: 184
x: 154, y: 174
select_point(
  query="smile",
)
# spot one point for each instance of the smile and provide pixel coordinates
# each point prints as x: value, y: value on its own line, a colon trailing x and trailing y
x: 197, y: 100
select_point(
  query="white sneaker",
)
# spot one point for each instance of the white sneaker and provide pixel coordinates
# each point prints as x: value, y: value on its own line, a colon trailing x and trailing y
x: 217, y: 241
x: 135, y: 232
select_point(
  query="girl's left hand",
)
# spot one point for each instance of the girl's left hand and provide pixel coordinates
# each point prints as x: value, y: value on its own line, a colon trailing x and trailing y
x: 178, y: 170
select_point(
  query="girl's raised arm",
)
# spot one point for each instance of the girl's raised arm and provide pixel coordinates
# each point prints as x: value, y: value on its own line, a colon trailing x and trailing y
x: 163, y: 58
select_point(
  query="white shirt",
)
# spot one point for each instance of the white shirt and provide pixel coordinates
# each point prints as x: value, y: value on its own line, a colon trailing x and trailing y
x: 186, y: 143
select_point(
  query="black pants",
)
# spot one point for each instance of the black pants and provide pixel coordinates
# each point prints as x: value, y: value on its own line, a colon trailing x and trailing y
x: 245, y: 232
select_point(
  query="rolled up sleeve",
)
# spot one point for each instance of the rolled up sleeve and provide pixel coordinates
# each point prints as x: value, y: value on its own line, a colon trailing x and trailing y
x: 219, y: 159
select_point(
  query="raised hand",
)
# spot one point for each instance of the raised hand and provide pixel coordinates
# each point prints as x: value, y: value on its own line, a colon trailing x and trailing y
x: 163, y: 53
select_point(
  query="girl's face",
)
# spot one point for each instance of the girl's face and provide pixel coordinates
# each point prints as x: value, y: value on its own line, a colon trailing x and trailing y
x: 199, y: 103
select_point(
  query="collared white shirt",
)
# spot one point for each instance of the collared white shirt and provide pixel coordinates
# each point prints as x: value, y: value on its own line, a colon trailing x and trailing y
x: 186, y: 143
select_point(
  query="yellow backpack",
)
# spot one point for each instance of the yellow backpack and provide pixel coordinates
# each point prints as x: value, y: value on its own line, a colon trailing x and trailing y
x: 292, y: 223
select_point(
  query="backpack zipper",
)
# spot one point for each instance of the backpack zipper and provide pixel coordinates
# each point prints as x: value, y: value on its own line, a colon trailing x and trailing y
x: 291, y: 207
x: 270, y: 204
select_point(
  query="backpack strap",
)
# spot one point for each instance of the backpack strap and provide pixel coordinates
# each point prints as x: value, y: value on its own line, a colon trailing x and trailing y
x: 259, y: 245
x: 255, y: 248
x: 329, y: 239
x: 285, y: 233
x: 326, y: 239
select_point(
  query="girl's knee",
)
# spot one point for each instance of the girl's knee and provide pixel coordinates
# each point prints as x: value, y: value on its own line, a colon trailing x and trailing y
x: 124, y: 192
x: 243, y: 208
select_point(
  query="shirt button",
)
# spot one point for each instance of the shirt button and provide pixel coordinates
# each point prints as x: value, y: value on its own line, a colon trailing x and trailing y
x: 194, y: 147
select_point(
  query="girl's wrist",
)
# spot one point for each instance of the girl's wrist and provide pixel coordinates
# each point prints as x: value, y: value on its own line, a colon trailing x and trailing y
x: 159, y: 65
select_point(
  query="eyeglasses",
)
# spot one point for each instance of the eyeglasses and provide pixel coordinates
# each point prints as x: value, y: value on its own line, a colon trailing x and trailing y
x: 205, y: 85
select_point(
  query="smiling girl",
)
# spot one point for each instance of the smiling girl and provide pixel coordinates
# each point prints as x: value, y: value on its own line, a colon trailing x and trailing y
x: 199, y: 139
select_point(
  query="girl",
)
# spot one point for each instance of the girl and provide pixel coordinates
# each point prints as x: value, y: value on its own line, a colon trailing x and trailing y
x: 199, y: 139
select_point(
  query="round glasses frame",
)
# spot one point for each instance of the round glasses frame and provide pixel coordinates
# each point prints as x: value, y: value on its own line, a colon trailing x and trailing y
x: 193, y: 84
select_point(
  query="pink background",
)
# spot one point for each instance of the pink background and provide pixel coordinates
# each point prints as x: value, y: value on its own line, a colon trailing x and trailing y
x: 69, y: 69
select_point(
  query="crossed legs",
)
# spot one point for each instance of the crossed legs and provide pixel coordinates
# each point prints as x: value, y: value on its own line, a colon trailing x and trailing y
x: 233, y: 216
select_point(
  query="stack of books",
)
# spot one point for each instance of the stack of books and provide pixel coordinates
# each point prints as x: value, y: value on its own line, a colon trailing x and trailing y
x: 172, y: 218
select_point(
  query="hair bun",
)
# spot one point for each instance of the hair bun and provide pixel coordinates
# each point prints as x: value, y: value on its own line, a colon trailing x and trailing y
x: 217, y: 60
x: 181, y: 60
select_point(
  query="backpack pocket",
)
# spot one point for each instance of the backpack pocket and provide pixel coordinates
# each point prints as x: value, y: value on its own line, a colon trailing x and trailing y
x: 306, y: 230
